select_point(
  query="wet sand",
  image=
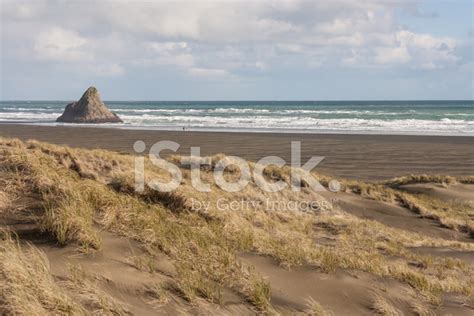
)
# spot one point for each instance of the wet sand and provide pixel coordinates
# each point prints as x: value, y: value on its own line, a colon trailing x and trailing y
x: 366, y: 157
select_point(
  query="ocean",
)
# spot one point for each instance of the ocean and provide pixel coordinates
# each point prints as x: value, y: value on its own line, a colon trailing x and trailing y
x: 361, y: 117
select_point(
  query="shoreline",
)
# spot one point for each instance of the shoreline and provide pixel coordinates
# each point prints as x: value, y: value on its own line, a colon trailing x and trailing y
x: 236, y: 130
x: 364, y: 157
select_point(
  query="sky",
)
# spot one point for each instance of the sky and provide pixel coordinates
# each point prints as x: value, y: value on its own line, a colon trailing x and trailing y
x: 237, y: 50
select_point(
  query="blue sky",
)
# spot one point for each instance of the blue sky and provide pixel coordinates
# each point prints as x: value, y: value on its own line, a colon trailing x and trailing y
x: 237, y: 50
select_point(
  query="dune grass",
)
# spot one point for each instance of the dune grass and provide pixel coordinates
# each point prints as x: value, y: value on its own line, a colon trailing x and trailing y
x: 381, y: 306
x: 27, y: 287
x: 455, y: 215
x: 86, y: 291
x: 426, y: 178
x: 315, y: 309
x: 81, y: 191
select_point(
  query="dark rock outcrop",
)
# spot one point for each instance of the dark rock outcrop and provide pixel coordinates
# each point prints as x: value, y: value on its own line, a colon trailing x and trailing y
x: 89, y: 109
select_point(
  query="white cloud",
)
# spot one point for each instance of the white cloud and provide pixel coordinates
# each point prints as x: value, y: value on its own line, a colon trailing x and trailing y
x: 430, y: 52
x: 208, y: 73
x: 168, y: 54
x: 337, y: 26
x: 392, y: 55
x: 167, y: 47
x: 107, y: 70
x: 24, y: 11
x: 180, y: 60
x: 290, y: 48
x: 261, y: 65
x: 424, y: 41
x: 61, y: 45
x: 421, y: 51
x: 214, y: 37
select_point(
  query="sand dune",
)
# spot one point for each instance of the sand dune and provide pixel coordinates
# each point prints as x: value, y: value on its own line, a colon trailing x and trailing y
x: 394, y: 215
x: 100, y: 247
x: 456, y: 192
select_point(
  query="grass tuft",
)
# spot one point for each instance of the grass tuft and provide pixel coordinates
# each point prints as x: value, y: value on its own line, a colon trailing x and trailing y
x: 27, y: 287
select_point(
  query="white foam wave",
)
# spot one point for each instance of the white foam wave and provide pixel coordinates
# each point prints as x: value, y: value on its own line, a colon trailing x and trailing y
x: 240, y: 110
x: 263, y: 119
x: 257, y: 111
x: 310, y: 123
x: 145, y: 110
x: 29, y: 109
x: 28, y: 116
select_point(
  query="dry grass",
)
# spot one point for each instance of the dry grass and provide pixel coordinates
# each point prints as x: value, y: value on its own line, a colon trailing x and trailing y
x: 5, y: 200
x: 420, y: 308
x: 315, y: 309
x: 159, y: 292
x: 85, y: 289
x: 143, y: 262
x: 376, y: 192
x: 27, y: 287
x: 381, y: 306
x: 454, y: 215
x: 424, y: 178
x: 81, y: 190
x: 65, y: 214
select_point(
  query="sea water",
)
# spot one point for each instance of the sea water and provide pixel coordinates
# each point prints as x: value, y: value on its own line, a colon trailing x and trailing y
x: 376, y: 117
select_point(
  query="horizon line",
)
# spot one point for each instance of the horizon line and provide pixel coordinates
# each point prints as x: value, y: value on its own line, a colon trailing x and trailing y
x: 248, y: 100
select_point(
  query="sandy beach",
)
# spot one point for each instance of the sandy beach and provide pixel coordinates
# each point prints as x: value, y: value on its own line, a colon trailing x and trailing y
x: 364, y: 112
x: 365, y: 157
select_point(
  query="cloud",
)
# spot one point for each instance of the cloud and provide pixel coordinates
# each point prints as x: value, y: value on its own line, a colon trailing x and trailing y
x: 290, y: 48
x: 180, y: 60
x: 168, y: 47
x: 107, y: 70
x: 217, y: 38
x: 208, y: 73
x: 167, y: 54
x: 59, y: 44
x: 392, y: 55
x: 429, y: 49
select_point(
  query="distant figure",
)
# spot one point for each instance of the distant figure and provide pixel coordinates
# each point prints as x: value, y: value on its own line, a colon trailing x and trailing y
x: 184, y: 128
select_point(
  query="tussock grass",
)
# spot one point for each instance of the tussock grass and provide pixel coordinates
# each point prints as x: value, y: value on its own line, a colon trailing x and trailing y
x: 381, y: 306
x: 26, y: 286
x: 424, y: 178
x: 420, y: 308
x: 65, y: 213
x: 454, y: 215
x: 70, y: 219
x: 143, y: 262
x: 315, y: 309
x: 86, y: 290
x: 451, y: 214
x: 5, y: 200
x: 376, y: 192
x: 123, y: 183
x: 159, y: 292
x: 466, y: 179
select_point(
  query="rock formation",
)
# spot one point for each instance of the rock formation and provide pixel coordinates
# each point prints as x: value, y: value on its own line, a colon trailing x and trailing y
x: 89, y: 109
